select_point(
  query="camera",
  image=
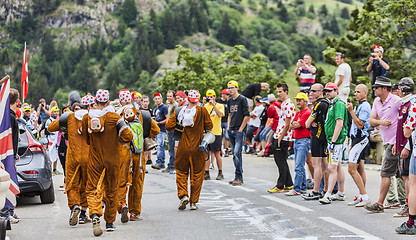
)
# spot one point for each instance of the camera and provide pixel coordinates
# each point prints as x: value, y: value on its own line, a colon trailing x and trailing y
x: 373, y: 55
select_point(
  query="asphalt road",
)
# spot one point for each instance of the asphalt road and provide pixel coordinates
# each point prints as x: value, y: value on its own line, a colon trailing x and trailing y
x: 225, y: 212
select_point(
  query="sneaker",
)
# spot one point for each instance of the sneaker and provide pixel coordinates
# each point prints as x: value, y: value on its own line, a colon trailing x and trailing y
x: 149, y: 162
x: 363, y: 203
x: 84, y: 219
x: 96, y: 229
x: 172, y: 172
x: 135, y: 217
x: 288, y: 188
x: 303, y: 191
x: 355, y: 201
x: 237, y: 182
x: 193, y: 206
x: 260, y: 154
x: 167, y: 170
x: 405, y: 229
x: 109, y: 227
x: 325, y: 200
x: 184, y: 202
x: 220, y: 176
x: 212, y: 166
x: 404, y: 212
x: 231, y: 182
x: 402, y: 203
x: 157, y: 166
x: 374, y: 207
x: 391, y: 204
x: 311, y: 196
x: 337, y: 197
x: 276, y: 190
x: 73, y: 218
x: 124, y: 213
x: 206, y: 176
x: 12, y: 219
x: 292, y: 193
x: 226, y: 153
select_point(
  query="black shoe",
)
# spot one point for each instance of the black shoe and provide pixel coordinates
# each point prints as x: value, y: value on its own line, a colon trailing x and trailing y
x: 73, y: 219
x: 109, y: 227
x: 158, y: 167
x: 309, y: 183
x: 84, y: 219
x: 206, y: 176
x: 149, y: 162
x: 311, y: 196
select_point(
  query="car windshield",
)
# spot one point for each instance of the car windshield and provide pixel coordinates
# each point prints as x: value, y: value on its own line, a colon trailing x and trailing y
x: 23, y: 141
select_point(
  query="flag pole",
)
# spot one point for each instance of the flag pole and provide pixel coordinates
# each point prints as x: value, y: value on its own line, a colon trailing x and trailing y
x: 4, y: 79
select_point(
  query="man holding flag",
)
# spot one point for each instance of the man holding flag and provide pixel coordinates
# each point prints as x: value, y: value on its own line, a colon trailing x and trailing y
x: 9, y: 139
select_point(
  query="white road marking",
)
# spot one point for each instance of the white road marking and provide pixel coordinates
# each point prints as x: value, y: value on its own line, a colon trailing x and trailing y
x: 287, y: 203
x: 237, y: 187
x: 350, y: 228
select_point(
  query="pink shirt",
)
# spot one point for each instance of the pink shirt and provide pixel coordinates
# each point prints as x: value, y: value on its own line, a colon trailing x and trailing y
x: 387, y: 110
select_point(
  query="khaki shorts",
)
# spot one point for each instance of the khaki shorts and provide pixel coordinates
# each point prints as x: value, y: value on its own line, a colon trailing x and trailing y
x: 250, y: 102
x: 390, y: 162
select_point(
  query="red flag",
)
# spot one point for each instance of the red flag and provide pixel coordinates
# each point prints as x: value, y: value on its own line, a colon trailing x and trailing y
x: 25, y: 76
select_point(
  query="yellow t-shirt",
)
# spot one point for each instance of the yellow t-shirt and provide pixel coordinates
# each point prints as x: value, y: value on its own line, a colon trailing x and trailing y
x: 216, y: 121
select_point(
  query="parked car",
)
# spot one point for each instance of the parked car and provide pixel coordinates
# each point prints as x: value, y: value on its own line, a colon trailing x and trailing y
x: 34, y: 170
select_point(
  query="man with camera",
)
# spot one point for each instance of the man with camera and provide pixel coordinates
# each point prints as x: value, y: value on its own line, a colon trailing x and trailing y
x: 377, y: 64
x: 43, y: 111
x: 307, y: 72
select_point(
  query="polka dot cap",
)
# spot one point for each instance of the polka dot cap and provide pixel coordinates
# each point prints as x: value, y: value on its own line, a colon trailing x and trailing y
x: 102, y: 95
x: 124, y: 96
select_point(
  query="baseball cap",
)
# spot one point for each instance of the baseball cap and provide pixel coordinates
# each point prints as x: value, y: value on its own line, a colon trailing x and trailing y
x: 264, y: 100
x: 210, y: 93
x: 102, y: 95
x: 193, y: 96
x: 124, y: 96
x: 379, y: 48
x: 26, y: 108
x: 232, y: 83
x: 54, y: 109
x: 301, y: 95
x: 271, y: 97
x: 157, y: 95
x: 225, y: 91
x: 331, y: 85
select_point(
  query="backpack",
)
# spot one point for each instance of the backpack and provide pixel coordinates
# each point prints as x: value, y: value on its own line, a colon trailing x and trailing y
x: 140, y: 131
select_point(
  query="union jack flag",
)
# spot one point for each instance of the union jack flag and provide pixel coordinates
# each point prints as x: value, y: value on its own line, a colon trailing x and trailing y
x: 6, y: 144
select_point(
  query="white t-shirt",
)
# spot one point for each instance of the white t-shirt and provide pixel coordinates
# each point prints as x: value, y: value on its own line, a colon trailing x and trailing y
x: 345, y: 70
x: 257, y: 111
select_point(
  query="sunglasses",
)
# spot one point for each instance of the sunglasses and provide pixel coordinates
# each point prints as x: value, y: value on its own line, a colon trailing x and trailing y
x: 314, y: 90
x: 328, y: 90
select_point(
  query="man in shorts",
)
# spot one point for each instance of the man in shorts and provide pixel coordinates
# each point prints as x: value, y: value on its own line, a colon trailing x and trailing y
x: 216, y: 112
x: 384, y: 114
x: 254, y: 123
x: 359, y: 140
x: 319, y: 144
x: 225, y: 95
x: 336, y: 132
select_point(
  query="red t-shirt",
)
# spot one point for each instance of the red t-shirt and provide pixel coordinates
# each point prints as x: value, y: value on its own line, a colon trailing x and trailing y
x: 301, y: 117
x: 272, y: 112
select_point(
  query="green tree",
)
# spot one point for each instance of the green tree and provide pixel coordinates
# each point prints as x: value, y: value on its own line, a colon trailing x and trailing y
x: 345, y: 13
x: 323, y: 10
x: 129, y: 12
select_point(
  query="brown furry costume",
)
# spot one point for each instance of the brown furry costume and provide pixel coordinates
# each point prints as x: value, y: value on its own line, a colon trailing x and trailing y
x: 76, y: 162
x: 189, y: 160
x: 127, y: 159
x: 102, y: 135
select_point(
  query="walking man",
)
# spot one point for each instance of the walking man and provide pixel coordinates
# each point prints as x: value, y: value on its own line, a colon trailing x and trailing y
x: 237, y: 121
x: 189, y: 160
x: 161, y: 116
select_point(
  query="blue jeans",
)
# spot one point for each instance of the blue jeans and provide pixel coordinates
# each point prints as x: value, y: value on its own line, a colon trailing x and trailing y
x: 171, y: 141
x: 224, y: 132
x: 160, y: 140
x: 301, y: 148
x: 264, y: 132
x: 236, y: 142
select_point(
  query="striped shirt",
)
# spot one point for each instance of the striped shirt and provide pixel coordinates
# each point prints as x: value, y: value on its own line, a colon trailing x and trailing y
x: 307, y: 79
